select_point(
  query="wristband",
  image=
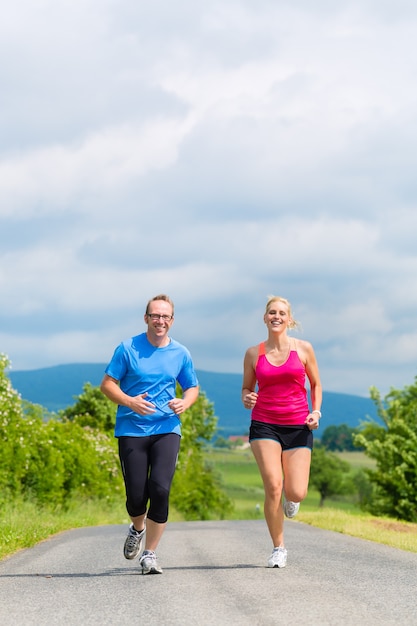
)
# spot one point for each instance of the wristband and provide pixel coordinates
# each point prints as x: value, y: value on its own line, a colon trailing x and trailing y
x: 318, y: 412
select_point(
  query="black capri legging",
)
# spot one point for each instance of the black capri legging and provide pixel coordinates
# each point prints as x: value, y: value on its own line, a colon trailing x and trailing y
x: 148, y: 466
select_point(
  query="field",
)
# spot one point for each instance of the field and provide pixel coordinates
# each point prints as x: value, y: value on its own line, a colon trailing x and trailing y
x: 241, y: 482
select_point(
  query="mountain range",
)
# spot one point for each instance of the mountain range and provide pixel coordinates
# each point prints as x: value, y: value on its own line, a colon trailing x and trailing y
x: 57, y: 387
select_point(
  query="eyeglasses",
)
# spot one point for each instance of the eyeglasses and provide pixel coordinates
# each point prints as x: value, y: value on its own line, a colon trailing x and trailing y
x: 155, y: 317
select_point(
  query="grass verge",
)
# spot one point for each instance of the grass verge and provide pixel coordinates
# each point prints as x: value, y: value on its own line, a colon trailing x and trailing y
x: 402, y: 535
x: 23, y: 524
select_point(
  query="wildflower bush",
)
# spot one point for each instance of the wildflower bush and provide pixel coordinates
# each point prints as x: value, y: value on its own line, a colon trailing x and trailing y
x: 51, y: 460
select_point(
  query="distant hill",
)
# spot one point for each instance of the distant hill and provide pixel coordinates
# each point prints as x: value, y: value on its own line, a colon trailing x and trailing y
x: 57, y: 387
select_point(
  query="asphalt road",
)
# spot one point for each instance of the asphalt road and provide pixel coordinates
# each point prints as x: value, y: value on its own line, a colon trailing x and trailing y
x: 214, y: 574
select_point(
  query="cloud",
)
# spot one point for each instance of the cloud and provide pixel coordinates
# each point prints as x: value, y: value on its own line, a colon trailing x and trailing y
x: 219, y: 153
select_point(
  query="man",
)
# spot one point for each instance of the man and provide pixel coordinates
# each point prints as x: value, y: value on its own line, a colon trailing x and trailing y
x: 141, y: 379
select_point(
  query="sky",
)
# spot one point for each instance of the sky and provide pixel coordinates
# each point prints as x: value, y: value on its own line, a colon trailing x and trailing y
x: 219, y: 152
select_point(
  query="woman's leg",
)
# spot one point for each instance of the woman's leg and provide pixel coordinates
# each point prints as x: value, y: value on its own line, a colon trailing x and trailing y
x: 268, y: 455
x: 296, y: 467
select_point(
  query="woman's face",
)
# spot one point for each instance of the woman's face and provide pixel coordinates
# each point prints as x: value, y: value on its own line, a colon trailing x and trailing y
x: 277, y: 316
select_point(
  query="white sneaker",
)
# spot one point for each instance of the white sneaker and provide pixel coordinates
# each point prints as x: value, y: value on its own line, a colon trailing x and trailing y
x: 290, y: 508
x: 278, y: 558
x: 149, y: 563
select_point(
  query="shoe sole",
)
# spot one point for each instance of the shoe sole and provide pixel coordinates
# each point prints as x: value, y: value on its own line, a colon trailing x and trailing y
x: 132, y: 556
x: 152, y: 570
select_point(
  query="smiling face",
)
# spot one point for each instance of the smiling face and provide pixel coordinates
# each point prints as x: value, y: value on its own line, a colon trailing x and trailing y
x: 278, y: 316
x: 159, y: 318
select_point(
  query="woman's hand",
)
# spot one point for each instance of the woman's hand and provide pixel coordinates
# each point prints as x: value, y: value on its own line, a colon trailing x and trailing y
x: 313, y: 421
x: 249, y: 400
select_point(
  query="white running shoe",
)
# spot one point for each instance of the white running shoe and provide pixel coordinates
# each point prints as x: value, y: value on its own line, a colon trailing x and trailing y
x: 290, y: 508
x: 278, y: 558
x: 149, y: 563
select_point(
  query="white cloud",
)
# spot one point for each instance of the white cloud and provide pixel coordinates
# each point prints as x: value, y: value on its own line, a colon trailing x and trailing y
x: 219, y: 153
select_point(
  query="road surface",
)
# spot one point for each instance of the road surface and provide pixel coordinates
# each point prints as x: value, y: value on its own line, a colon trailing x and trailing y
x: 215, y: 574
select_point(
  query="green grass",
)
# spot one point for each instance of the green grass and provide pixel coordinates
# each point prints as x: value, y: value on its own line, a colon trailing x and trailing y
x: 402, y: 535
x: 24, y: 524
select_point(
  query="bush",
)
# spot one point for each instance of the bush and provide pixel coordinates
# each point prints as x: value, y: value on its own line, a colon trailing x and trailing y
x: 393, y: 445
x: 51, y: 461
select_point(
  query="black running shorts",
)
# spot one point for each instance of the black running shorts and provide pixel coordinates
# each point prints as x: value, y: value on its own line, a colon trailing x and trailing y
x: 289, y: 437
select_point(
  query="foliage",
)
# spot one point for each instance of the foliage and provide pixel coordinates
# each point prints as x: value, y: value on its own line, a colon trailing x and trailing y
x: 339, y: 438
x: 74, y: 455
x: 222, y: 442
x: 196, y: 490
x: 92, y: 408
x: 329, y: 474
x: 393, y: 445
x: 363, y: 488
x: 51, y: 460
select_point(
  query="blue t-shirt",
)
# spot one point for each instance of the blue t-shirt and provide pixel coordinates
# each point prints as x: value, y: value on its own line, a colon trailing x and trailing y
x: 140, y: 368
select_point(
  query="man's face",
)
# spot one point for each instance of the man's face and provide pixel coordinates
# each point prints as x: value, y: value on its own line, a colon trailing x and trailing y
x: 159, y: 318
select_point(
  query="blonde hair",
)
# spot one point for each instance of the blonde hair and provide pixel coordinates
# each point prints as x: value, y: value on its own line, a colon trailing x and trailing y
x: 271, y: 299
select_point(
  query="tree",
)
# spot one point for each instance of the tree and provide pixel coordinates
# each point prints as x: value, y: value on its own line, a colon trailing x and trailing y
x: 393, y: 445
x: 329, y: 474
x: 92, y: 408
x: 363, y: 488
x: 222, y: 442
x: 196, y: 491
x: 338, y: 438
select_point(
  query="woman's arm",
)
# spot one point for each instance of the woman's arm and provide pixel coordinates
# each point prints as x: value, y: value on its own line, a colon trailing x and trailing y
x: 312, y: 371
x: 249, y: 395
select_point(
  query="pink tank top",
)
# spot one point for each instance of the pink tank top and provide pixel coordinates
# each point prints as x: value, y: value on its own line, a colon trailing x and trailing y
x: 282, y: 394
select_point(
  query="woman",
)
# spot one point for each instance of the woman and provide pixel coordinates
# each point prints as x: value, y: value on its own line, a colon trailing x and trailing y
x: 281, y: 428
